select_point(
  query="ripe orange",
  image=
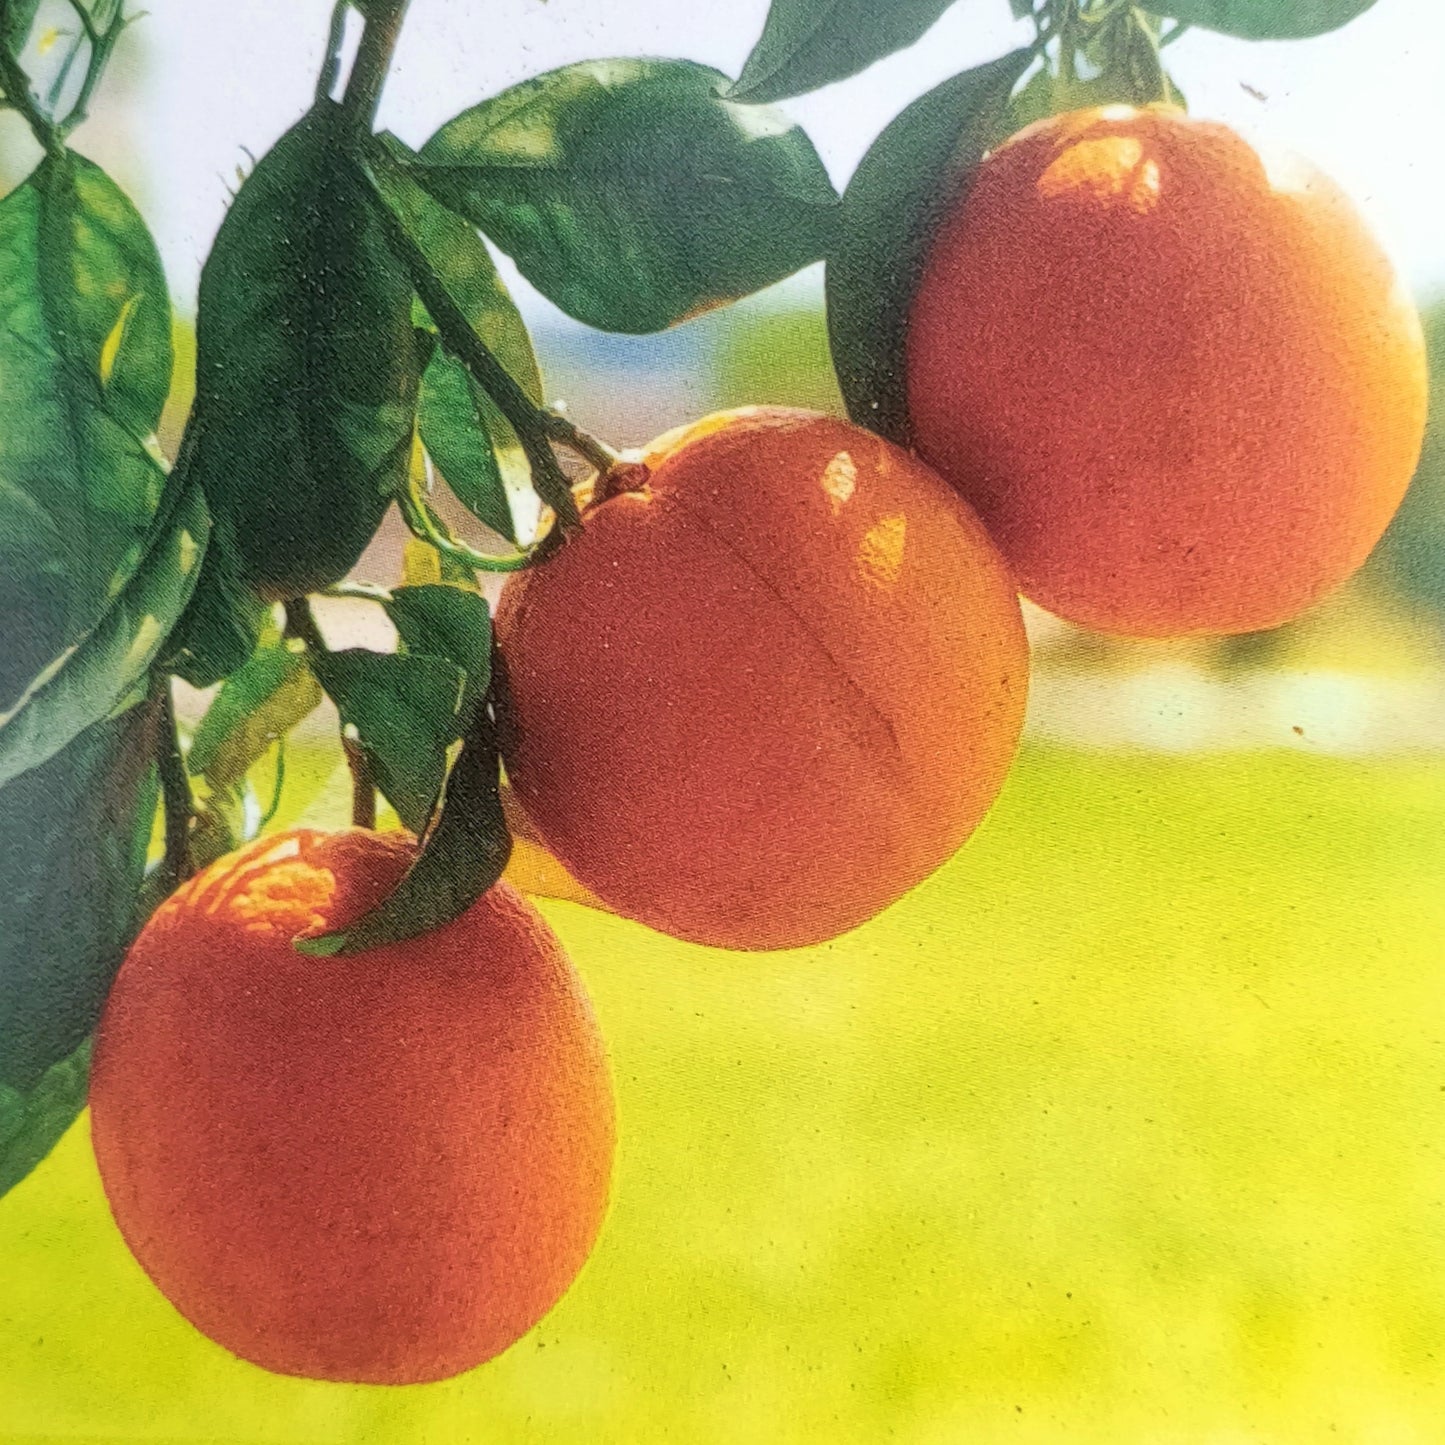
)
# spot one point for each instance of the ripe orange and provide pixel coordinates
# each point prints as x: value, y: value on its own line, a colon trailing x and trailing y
x: 1179, y: 381
x: 776, y: 681
x: 381, y: 1168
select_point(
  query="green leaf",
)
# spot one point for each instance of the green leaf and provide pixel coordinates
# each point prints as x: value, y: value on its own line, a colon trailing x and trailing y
x: 19, y: 21
x: 259, y: 704
x: 1263, y: 19
x: 446, y: 258
x: 73, y: 839
x: 307, y: 369
x: 463, y: 431
x: 912, y: 173
x: 634, y: 194
x: 462, y: 858
x: 1022, y: 9
x: 85, y: 363
x: 99, y: 673
x: 32, y: 1121
x: 810, y: 43
x: 404, y: 710
x: 222, y: 623
x: 448, y: 622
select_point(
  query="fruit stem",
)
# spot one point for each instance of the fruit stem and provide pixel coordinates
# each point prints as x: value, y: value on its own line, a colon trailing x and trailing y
x: 363, y: 785
x: 175, y: 787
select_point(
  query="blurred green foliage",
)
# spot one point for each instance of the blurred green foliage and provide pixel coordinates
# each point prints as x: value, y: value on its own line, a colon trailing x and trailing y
x: 1412, y: 554
x: 778, y: 356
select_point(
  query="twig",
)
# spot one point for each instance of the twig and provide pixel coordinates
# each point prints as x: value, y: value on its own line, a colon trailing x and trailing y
x: 19, y: 97
x: 331, y: 66
x: 175, y: 787
x: 422, y: 522
x: 363, y: 785
x: 102, y: 45
x: 373, y: 60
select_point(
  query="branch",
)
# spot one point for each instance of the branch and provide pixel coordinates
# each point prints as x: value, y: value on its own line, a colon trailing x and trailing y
x: 175, y: 788
x: 373, y: 60
x: 18, y: 95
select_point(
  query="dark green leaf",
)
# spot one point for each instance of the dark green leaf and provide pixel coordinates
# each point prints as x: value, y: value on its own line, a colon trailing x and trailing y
x: 306, y: 367
x: 73, y: 838
x: 85, y: 363
x: 911, y: 174
x: 96, y: 676
x: 632, y: 193
x: 222, y: 622
x: 462, y: 429
x: 1022, y: 9
x: 448, y: 622
x: 404, y: 710
x: 1263, y: 19
x: 32, y: 1121
x: 809, y: 43
x: 258, y: 705
x: 19, y: 21
x: 463, y: 857
x: 445, y: 261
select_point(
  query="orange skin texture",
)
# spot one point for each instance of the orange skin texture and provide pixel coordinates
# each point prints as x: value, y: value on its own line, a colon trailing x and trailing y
x: 384, y: 1168
x: 760, y: 698
x: 1184, y: 389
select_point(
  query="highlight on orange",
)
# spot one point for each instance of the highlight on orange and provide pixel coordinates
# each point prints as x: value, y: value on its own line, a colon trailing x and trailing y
x: 775, y: 682
x: 382, y: 1168
x: 1178, y: 379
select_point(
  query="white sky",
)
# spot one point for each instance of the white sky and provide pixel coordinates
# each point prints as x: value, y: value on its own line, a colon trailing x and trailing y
x: 203, y: 81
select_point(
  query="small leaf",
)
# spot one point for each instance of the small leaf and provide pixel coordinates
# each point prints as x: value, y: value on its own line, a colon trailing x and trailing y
x: 222, y: 623
x: 1263, y: 19
x: 446, y: 257
x: 632, y: 193
x: 810, y: 43
x: 404, y: 710
x: 1022, y: 9
x: 257, y: 706
x: 85, y: 363
x: 448, y: 622
x: 307, y: 370
x: 73, y: 839
x: 911, y: 174
x: 462, y: 858
x: 464, y: 433
x: 32, y: 1121
x: 96, y: 676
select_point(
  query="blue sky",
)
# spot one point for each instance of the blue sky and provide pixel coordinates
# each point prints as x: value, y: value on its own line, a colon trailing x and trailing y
x: 201, y: 82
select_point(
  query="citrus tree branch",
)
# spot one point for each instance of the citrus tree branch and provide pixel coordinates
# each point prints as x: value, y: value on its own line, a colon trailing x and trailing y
x: 102, y: 40
x: 175, y: 788
x: 373, y: 60
x: 18, y: 96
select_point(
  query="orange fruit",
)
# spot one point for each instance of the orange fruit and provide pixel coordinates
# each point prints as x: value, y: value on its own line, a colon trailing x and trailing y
x: 774, y: 683
x: 1179, y: 381
x: 380, y: 1168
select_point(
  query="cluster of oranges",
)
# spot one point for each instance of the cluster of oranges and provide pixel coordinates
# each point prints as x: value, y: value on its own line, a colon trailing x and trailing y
x: 1156, y: 383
